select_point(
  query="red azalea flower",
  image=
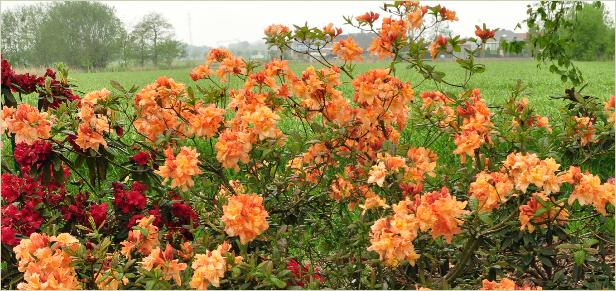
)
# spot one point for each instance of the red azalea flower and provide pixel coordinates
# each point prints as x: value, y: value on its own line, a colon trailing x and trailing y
x: 28, y: 156
x: 7, y: 74
x: 301, y: 274
x: 184, y: 213
x: 133, y: 220
x: 99, y: 212
x: 141, y: 158
x: 9, y: 236
x: 129, y: 201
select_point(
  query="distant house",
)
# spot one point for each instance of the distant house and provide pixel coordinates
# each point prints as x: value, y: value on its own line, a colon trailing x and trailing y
x: 493, y: 46
x: 362, y: 39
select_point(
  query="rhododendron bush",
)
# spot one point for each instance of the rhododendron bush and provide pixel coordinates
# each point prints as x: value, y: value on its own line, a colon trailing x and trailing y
x: 287, y: 180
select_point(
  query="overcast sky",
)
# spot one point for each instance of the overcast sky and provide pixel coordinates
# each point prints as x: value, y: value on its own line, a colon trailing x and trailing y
x: 218, y: 23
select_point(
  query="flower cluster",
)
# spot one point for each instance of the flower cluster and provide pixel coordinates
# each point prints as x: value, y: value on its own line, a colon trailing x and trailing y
x: 26, y: 122
x: 129, y: 201
x: 585, y: 130
x: 439, y: 43
x: 164, y: 262
x: 588, y: 189
x: 484, y: 33
x: 476, y: 126
x: 301, y: 274
x: 143, y: 238
x: 210, y: 267
x: 505, y: 284
x: 21, y: 214
x: 437, y: 212
x: 32, y: 156
x: 526, y: 169
x: 540, y: 211
x: 245, y: 216
x: 348, y: 50
x: 390, y: 38
x: 436, y: 104
x: 181, y: 168
x: 45, y: 263
x: 93, y: 124
x: 491, y: 189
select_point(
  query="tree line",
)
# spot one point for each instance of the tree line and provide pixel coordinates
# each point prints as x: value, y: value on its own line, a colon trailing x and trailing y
x: 85, y: 35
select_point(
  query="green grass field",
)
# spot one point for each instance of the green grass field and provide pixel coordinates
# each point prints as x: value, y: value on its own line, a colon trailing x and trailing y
x: 494, y: 83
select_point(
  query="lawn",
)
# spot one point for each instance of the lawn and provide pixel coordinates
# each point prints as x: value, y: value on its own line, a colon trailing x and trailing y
x: 494, y: 82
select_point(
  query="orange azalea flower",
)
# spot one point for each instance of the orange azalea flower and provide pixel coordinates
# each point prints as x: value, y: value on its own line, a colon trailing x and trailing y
x: 348, y: 50
x: 466, y: 144
x: 136, y: 239
x: 263, y: 121
x: 93, y: 97
x: 585, y: 129
x: 341, y: 188
x: 90, y: 138
x: 441, y: 213
x: 245, y: 216
x: 368, y: 17
x: 448, y: 14
x: 416, y: 17
x: 589, y: 190
x: 483, y: 33
x: 491, y: 189
x: 528, y: 213
x: 423, y: 162
x: 216, y: 55
x: 276, y: 30
x: 504, y: 284
x: 377, y: 174
x: 200, y: 72
x: 45, y: 263
x: 331, y: 30
x: 159, y: 107
x: 392, y: 31
x: 164, y: 262
x: 609, y: 109
x: 26, y: 122
x: 529, y: 169
x: 437, y: 45
x: 392, y: 246
x: 233, y: 147
x: 231, y: 65
x: 373, y: 201
x: 210, y: 267
x: 206, y: 120
x: 181, y: 168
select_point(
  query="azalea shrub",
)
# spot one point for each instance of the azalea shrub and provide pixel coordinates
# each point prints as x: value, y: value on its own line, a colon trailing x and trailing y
x: 287, y: 180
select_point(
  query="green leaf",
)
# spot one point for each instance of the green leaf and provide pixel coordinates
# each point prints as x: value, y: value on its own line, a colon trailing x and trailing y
x: 277, y: 282
x: 579, y: 257
x: 117, y: 85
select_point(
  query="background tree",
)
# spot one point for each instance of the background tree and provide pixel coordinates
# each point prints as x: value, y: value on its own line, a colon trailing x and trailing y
x: 593, y: 33
x: 158, y: 35
x: 82, y: 34
x: 19, y: 30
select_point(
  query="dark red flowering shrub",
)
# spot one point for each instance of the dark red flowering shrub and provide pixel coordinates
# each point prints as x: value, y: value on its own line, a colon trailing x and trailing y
x: 28, y: 156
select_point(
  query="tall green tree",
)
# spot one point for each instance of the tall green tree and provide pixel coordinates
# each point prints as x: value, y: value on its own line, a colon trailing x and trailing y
x: 156, y: 37
x: 82, y: 34
x: 19, y: 30
x: 592, y: 34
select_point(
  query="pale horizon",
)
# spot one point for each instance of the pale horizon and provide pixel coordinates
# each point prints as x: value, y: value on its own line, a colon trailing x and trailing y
x: 220, y: 23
